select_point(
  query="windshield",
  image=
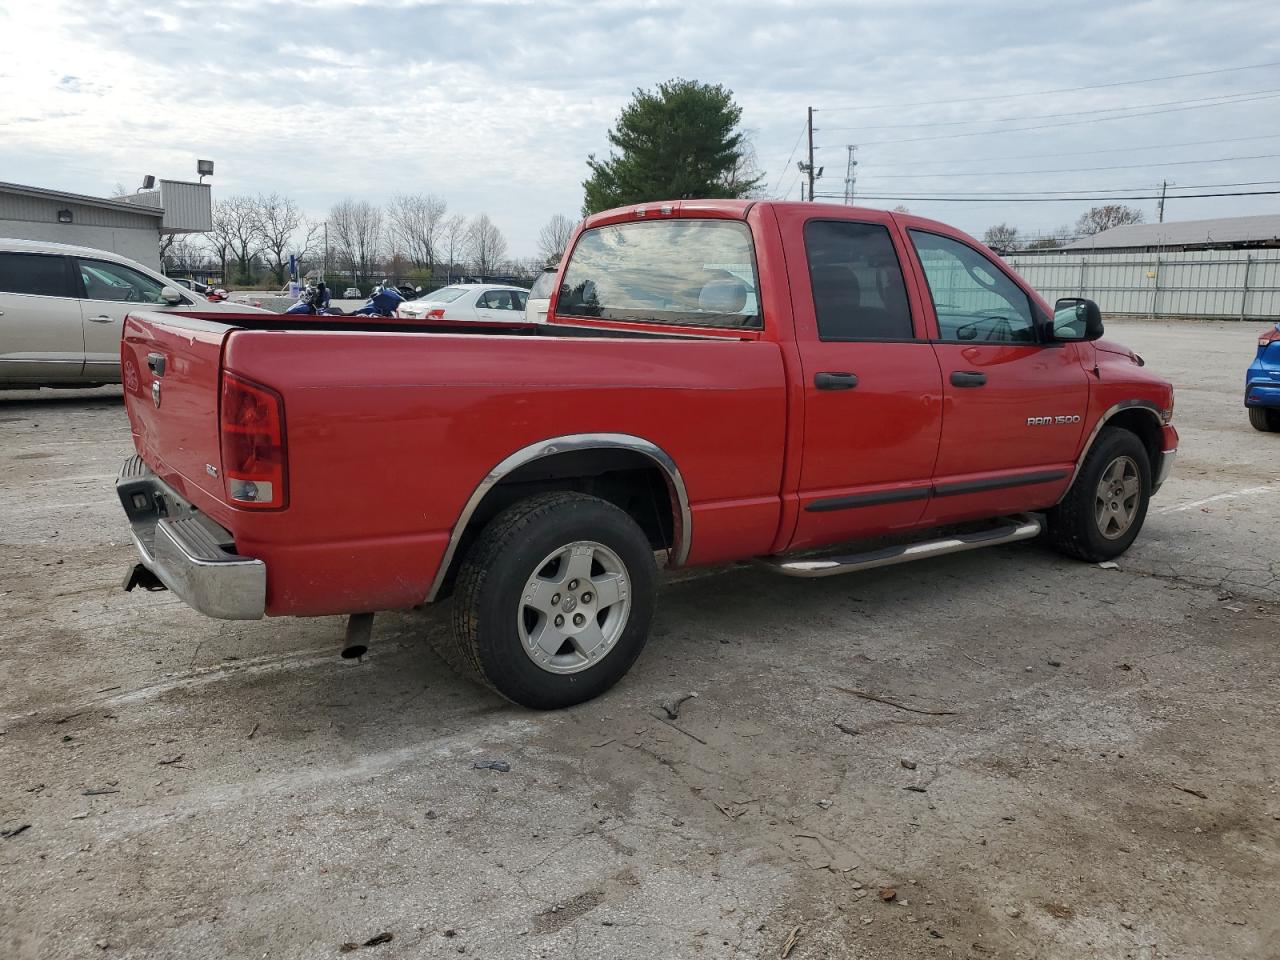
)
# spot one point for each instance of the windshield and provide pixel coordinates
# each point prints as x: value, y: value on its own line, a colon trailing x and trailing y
x: 443, y: 295
x: 542, y: 287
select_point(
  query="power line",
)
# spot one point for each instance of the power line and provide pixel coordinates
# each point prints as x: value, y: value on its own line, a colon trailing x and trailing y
x: 1073, y: 153
x: 1121, y: 166
x: 1040, y: 193
x: 1221, y: 97
x: 1007, y: 199
x: 787, y: 163
x: 1065, y: 123
x: 1045, y: 93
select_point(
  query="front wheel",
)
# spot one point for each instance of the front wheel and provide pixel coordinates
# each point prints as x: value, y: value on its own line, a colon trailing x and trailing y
x: 553, y: 600
x: 1264, y: 419
x: 1105, y: 507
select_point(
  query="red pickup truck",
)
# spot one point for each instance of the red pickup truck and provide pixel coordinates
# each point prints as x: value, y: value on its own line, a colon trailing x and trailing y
x: 822, y: 388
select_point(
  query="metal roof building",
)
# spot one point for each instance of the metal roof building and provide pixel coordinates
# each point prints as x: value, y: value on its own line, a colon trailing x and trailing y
x: 129, y: 226
x: 1224, y: 233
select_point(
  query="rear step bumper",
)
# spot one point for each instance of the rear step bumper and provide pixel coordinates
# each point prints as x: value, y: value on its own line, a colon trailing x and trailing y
x: 1009, y: 531
x: 189, y: 553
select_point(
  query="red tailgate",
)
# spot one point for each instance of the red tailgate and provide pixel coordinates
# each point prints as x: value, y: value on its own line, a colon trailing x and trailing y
x: 170, y: 369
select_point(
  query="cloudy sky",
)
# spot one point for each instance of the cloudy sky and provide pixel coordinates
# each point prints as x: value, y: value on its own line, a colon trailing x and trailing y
x: 494, y: 106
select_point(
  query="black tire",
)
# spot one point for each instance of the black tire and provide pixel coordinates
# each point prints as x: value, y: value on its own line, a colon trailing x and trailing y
x: 1265, y: 419
x: 1073, y: 526
x: 486, y: 641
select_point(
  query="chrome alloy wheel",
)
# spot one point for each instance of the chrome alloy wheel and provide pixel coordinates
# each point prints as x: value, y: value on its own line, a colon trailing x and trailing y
x: 1118, y: 497
x: 574, y: 607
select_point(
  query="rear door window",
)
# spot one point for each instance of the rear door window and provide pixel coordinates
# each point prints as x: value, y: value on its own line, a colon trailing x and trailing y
x: 689, y: 272
x: 35, y: 274
x: 858, y: 290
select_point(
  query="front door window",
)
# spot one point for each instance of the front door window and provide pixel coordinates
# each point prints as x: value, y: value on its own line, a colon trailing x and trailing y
x: 973, y: 298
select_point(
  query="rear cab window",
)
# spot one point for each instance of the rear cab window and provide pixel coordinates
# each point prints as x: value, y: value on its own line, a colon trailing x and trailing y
x: 687, y: 272
x: 35, y: 274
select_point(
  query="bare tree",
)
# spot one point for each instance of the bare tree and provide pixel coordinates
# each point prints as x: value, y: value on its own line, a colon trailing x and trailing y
x: 485, y: 244
x: 554, y: 237
x: 453, y: 234
x: 901, y: 208
x: 1001, y: 237
x: 241, y: 226
x: 221, y: 238
x: 278, y: 220
x: 180, y: 254
x: 1107, y: 216
x: 416, y: 221
x: 356, y: 226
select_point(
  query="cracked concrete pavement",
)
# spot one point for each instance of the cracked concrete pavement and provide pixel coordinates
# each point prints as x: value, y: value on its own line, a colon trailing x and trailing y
x: 1103, y: 785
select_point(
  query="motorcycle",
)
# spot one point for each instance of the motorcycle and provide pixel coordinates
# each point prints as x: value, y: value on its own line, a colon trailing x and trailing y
x: 383, y: 302
x: 314, y: 301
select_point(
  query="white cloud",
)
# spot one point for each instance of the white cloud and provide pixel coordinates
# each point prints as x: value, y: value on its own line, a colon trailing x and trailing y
x: 495, y: 105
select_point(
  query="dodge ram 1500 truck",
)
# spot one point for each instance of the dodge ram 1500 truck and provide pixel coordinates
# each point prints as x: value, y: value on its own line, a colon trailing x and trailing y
x: 822, y: 388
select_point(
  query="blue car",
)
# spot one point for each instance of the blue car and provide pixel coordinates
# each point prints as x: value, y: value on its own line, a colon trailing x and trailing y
x: 1262, y: 383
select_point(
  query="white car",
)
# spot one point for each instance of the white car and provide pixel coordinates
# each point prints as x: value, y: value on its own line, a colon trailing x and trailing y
x: 351, y: 293
x: 469, y: 301
x: 62, y: 310
x: 535, y: 310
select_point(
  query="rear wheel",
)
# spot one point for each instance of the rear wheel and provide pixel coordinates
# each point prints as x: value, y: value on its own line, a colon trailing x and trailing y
x: 1104, y: 510
x: 554, y: 599
x: 1265, y: 419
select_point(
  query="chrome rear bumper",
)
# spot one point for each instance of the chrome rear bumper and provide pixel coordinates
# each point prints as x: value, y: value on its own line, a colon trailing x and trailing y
x: 189, y: 553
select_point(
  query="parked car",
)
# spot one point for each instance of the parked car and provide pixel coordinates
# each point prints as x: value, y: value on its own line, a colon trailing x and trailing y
x: 62, y: 309
x: 352, y: 293
x: 1262, y: 383
x: 469, y: 301
x: 535, y: 310
x: 188, y: 284
x: 823, y: 388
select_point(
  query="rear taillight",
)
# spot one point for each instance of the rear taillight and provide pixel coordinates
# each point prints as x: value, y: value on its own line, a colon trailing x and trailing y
x: 436, y: 314
x: 251, y: 422
x: 1269, y: 336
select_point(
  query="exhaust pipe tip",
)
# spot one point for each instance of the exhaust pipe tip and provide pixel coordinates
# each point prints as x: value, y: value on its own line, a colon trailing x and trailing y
x: 359, y: 633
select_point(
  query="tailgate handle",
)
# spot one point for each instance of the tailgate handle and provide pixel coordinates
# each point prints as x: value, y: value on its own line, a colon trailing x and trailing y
x: 155, y: 363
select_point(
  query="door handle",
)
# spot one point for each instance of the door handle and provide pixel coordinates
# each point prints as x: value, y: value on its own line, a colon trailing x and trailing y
x: 101, y: 318
x: 835, y: 381
x: 968, y: 378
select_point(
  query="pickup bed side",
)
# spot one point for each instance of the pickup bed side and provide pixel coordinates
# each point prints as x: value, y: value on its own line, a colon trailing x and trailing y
x: 386, y: 447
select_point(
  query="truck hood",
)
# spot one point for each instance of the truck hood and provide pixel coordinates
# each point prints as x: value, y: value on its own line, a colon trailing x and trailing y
x: 1119, y: 350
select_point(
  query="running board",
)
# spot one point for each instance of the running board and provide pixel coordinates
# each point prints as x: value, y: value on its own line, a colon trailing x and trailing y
x: 1010, y: 531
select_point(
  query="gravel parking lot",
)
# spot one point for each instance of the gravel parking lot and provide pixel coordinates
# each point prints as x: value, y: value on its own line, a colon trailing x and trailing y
x: 1076, y: 763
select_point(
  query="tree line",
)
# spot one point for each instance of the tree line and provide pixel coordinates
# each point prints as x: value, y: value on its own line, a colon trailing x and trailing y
x: 1004, y: 238
x: 413, y: 237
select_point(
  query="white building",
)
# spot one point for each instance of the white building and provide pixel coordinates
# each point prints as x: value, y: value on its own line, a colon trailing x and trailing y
x: 130, y: 226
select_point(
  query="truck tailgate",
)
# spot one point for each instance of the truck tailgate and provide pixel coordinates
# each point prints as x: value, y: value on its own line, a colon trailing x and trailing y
x: 170, y: 369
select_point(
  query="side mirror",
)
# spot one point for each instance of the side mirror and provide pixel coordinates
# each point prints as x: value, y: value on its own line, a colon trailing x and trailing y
x: 1076, y: 318
x: 171, y: 296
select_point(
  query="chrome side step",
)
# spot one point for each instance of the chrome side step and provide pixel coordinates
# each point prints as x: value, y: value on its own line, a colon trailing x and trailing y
x: 1010, y: 530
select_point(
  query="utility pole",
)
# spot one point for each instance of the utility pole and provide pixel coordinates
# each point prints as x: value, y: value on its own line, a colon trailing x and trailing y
x: 1164, y: 185
x: 850, y: 176
x: 810, y: 168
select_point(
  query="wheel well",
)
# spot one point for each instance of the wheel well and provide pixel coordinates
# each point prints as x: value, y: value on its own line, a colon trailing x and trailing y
x: 1146, y: 427
x: 628, y: 479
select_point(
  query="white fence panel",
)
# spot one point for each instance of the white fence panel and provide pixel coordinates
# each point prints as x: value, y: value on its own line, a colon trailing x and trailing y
x: 1193, y: 283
